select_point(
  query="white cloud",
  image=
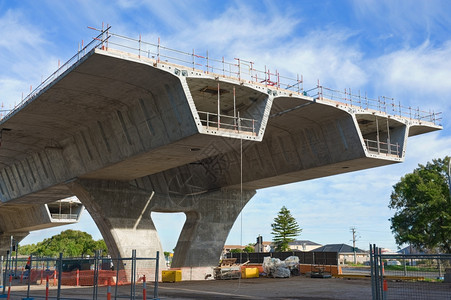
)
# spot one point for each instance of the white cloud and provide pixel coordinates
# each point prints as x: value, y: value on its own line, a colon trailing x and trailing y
x: 33, y: 70
x: 402, y: 20
x: 320, y: 54
x: 10, y: 92
x: 17, y: 34
x: 24, y: 58
x: 424, y: 148
x: 272, y: 40
x: 423, y: 72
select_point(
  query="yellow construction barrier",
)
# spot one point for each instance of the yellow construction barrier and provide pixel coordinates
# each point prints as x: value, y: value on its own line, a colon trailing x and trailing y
x: 171, y: 276
x: 249, y: 272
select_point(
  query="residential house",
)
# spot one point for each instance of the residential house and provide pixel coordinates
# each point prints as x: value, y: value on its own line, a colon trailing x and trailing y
x: 345, y: 253
x: 303, y: 245
x: 268, y: 247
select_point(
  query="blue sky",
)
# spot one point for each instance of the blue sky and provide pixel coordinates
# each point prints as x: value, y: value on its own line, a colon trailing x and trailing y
x: 399, y: 49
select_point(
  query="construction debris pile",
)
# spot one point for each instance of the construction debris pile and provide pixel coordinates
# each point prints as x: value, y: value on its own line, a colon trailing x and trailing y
x: 227, y: 269
x: 281, y: 269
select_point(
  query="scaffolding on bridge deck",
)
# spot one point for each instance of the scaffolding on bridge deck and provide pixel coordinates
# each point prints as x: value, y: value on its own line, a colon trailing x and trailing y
x: 242, y: 70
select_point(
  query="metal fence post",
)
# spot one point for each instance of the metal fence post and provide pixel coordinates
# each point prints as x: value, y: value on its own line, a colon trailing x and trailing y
x: 117, y: 279
x: 155, y: 289
x: 17, y: 254
x: 381, y: 282
x: 29, y: 276
x: 60, y: 268
x: 1, y: 274
x: 5, y: 273
x: 372, y: 272
x: 10, y: 262
x: 376, y: 271
x: 96, y: 272
x: 133, y: 275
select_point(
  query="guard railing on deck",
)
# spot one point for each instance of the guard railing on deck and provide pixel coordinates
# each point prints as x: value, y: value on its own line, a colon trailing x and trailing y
x: 382, y: 148
x: 381, y: 104
x: 240, y: 69
x: 210, y: 120
x: 65, y: 216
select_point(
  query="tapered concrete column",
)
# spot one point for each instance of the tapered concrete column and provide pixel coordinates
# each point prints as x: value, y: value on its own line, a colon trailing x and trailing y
x: 122, y: 214
x: 209, y: 218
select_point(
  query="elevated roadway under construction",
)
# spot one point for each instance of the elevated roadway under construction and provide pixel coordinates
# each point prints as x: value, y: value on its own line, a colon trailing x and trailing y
x: 128, y: 134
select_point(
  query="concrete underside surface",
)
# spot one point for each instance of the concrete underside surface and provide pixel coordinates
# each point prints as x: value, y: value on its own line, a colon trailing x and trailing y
x: 6, y: 243
x: 128, y: 136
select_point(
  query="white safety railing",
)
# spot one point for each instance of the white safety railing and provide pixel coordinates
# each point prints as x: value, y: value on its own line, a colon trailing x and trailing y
x: 65, y: 216
x: 382, y: 147
x: 382, y: 104
x: 238, y: 124
x: 240, y: 69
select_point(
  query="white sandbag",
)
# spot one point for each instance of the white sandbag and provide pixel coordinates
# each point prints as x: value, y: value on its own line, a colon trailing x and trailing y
x: 281, y: 272
x: 291, y: 262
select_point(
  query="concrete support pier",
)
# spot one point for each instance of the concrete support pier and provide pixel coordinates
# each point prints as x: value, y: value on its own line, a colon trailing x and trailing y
x: 122, y: 214
x: 122, y: 211
x: 209, y: 218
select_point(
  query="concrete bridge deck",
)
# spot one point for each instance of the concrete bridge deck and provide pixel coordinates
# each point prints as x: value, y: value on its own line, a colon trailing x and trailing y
x: 129, y: 134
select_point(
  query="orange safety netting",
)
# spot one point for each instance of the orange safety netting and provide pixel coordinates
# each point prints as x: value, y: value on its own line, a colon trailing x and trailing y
x: 86, y: 277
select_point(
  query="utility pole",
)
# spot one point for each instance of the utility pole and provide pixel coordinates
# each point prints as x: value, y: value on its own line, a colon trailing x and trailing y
x: 353, y: 230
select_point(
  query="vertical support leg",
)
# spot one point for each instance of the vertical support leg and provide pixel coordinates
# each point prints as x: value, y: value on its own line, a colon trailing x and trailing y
x: 208, y: 223
x: 122, y: 213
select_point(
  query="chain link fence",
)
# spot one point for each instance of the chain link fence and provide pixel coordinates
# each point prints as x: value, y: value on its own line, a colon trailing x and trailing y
x: 410, y: 276
x: 80, y: 277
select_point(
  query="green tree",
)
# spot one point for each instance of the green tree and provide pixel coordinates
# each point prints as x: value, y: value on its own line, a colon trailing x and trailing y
x: 71, y: 243
x: 249, y: 248
x: 236, y: 250
x: 423, y: 207
x: 27, y: 249
x: 100, y: 245
x: 284, y: 229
